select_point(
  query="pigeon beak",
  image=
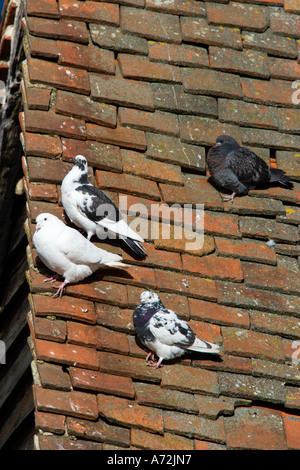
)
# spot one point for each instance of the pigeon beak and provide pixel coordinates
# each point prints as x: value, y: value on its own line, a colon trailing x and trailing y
x: 73, y: 160
x: 38, y: 226
x: 218, y: 144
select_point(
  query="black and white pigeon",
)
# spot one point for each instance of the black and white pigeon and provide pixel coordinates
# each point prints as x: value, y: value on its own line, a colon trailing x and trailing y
x: 238, y: 169
x: 91, y: 210
x: 162, y: 331
x: 68, y: 253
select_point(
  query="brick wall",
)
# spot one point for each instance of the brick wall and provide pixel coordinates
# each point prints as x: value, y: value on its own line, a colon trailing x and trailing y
x: 142, y: 88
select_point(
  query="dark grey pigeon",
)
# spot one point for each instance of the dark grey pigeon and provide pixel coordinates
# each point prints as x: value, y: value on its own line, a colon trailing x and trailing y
x: 163, y: 332
x: 238, y: 169
x: 91, y: 210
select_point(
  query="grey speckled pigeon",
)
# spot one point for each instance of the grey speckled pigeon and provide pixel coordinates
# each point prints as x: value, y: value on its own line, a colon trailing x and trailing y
x: 91, y: 210
x: 238, y: 169
x: 163, y: 332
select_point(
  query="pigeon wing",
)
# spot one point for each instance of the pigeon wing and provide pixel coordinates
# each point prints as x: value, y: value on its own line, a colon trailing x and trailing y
x: 77, y: 248
x: 169, y: 329
x: 247, y: 166
x: 96, y: 206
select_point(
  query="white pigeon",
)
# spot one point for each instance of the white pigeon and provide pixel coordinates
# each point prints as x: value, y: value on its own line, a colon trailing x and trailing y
x: 162, y: 331
x: 91, y: 210
x: 67, y: 252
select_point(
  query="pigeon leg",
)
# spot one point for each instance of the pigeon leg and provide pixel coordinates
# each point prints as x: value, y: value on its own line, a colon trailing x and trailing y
x: 157, y: 364
x: 60, y: 289
x: 228, y: 198
x: 52, y: 278
x: 150, y: 355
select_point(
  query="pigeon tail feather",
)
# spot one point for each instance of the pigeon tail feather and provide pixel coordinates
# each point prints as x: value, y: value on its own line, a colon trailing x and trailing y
x: 279, y: 176
x: 136, y: 247
x: 204, y: 346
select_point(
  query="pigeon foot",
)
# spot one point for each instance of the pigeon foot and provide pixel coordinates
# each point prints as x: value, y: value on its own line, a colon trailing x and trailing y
x: 59, y: 289
x: 228, y: 198
x: 52, y: 278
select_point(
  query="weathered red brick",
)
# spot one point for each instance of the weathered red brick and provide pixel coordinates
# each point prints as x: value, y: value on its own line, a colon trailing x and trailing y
x: 278, y: 278
x: 190, y: 379
x: 90, y: 11
x: 255, y: 428
x: 37, y: 98
x: 253, y: 344
x: 106, y: 383
x: 61, y: 29
x: 127, y: 183
x: 141, y: 68
x: 253, y: 388
x: 190, y: 285
x: 70, y: 403
x: 122, y: 92
x: 53, y: 376
x: 59, y: 443
x: 66, y: 354
x: 51, y: 123
x: 66, y: 78
x: 138, y: 165
x: 68, y: 307
x: 198, y: 30
x: 271, y: 43
x: 240, y: 296
x: 48, y: 422
x: 180, y: 7
x: 215, y: 313
x: 146, y: 440
x: 268, y: 92
x: 98, y: 155
x: 184, y: 55
x: 221, y: 224
x: 53, y: 330
x: 44, y: 8
x: 286, y: 24
x: 259, y: 227
x: 204, y: 131
x: 83, y: 107
x: 166, y: 123
x: 247, y: 17
x: 41, y: 47
x: 129, y: 413
x: 172, y: 98
x: 44, y: 169
x: 151, y: 395
x: 212, y: 82
x: 89, y: 57
x: 291, y: 6
x: 128, y: 366
x: 41, y: 145
x: 292, y: 430
x: 246, y: 62
x: 130, y: 138
x: 41, y: 192
x: 151, y: 25
x: 289, y: 161
x: 195, y: 426
x: 213, y: 267
x: 272, y: 323
x: 284, y: 68
x: 98, y: 431
x: 170, y: 149
x: 110, y: 37
x: 246, y: 249
x: 97, y: 336
x: 247, y: 114
x: 100, y: 291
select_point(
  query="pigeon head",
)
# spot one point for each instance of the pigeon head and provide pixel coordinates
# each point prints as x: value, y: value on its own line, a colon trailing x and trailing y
x: 81, y: 162
x: 148, y: 297
x: 44, y: 220
x: 226, y: 143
